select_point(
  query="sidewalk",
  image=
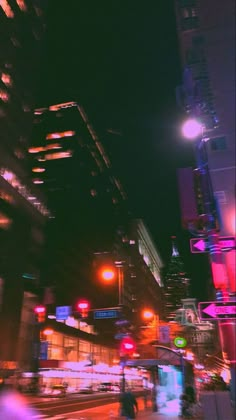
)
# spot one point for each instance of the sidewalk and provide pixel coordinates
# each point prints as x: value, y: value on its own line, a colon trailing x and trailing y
x: 150, y: 415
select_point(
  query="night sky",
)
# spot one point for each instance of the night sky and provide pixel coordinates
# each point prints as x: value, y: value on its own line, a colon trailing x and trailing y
x: 120, y: 60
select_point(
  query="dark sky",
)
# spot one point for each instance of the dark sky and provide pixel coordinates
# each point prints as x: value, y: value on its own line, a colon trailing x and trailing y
x: 120, y: 60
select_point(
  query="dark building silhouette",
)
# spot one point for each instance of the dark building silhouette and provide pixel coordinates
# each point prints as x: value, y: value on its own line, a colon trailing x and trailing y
x: 22, y: 209
x: 92, y: 225
x: 176, y: 283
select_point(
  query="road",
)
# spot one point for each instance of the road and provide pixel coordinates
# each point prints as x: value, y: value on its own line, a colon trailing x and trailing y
x: 103, y: 406
x: 98, y: 406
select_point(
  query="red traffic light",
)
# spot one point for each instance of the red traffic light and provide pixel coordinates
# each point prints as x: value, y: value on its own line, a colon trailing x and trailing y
x: 40, y: 309
x: 83, y: 305
x: 127, y: 345
x: 40, y: 313
x: 83, y: 308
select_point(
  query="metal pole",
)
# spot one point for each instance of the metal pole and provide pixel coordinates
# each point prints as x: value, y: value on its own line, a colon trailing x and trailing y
x: 226, y: 329
x: 216, y: 255
x: 120, y: 284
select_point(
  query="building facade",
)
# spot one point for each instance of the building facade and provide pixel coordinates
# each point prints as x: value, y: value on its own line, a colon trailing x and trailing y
x: 22, y: 209
x: 69, y: 164
x: 206, y: 34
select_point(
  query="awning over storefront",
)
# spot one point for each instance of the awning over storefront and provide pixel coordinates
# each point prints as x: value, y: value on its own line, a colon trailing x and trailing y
x: 165, y: 356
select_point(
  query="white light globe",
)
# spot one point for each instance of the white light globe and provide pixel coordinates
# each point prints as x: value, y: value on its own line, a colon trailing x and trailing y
x: 191, y: 129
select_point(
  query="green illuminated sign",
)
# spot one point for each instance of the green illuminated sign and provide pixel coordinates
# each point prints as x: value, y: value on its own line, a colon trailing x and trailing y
x: 180, y: 342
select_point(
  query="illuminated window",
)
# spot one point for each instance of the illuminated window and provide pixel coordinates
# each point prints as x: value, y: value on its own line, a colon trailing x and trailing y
x: 6, y: 197
x: 6, y: 8
x: 21, y: 5
x: 53, y: 146
x: 38, y: 170
x: 58, y: 155
x: 52, y: 136
x: 15, y: 182
x: 4, y: 95
x: 36, y: 149
x: 5, y: 222
x: 61, y: 106
x: 6, y: 79
x: 38, y: 181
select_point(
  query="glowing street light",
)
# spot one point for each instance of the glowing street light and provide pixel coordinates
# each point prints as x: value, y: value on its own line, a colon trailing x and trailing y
x: 108, y: 274
x: 148, y: 314
x: 192, y: 128
x: 48, y: 331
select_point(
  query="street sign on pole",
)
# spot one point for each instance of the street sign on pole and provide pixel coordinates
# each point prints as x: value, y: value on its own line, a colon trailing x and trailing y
x: 200, y: 245
x: 164, y: 334
x: 63, y: 312
x: 106, y: 314
x: 217, y: 310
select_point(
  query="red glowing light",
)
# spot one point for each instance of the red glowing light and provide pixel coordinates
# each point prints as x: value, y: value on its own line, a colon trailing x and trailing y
x: 40, y: 309
x: 127, y: 345
x: 83, y: 305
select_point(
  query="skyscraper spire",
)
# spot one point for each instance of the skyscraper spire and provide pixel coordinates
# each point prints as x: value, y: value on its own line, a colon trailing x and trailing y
x: 176, y: 282
x: 175, y: 252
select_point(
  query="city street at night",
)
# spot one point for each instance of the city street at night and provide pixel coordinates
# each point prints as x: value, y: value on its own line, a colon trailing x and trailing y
x: 117, y: 210
x: 74, y: 408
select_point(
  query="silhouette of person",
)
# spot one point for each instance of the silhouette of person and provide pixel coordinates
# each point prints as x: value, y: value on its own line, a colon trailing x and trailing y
x: 129, y: 405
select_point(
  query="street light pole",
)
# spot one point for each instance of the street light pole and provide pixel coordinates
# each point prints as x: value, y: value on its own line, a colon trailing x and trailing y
x: 227, y: 328
x: 120, y: 283
x: 216, y: 255
x: 148, y: 315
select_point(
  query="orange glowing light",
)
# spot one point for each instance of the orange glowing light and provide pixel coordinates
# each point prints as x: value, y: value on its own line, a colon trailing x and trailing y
x: 38, y: 170
x: 48, y: 331
x: 148, y: 314
x: 108, y: 274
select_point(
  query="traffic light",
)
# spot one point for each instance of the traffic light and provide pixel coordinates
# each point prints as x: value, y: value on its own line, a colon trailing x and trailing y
x: 40, y: 313
x: 83, y: 307
x: 127, y: 346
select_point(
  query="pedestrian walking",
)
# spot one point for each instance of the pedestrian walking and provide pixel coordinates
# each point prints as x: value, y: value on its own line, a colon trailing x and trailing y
x: 129, y: 405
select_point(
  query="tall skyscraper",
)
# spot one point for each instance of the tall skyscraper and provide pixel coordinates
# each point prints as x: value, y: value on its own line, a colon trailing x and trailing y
x: 206, y: 33
x: 93, y: 227
x: 70, y: 166
x: 22, y: 209
x: 176, y: 283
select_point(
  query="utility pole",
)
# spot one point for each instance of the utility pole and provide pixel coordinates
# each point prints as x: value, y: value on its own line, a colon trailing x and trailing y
x: 194, y: 106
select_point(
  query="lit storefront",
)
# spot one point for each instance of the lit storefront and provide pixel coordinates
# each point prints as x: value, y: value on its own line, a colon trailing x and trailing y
x: 79, y: 360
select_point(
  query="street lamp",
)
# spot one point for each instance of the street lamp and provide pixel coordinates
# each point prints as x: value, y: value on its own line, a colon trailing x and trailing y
x: 149, y: 315
x: 193, y: 129
x: 108, y: 274
x: 219, y: 276
x: 39, y: 319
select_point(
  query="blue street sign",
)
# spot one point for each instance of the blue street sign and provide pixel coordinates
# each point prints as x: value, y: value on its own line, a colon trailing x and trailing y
x: 106, y: 314
x: 43, y: 350
x: 63, y: 312
x: 119, y: 336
